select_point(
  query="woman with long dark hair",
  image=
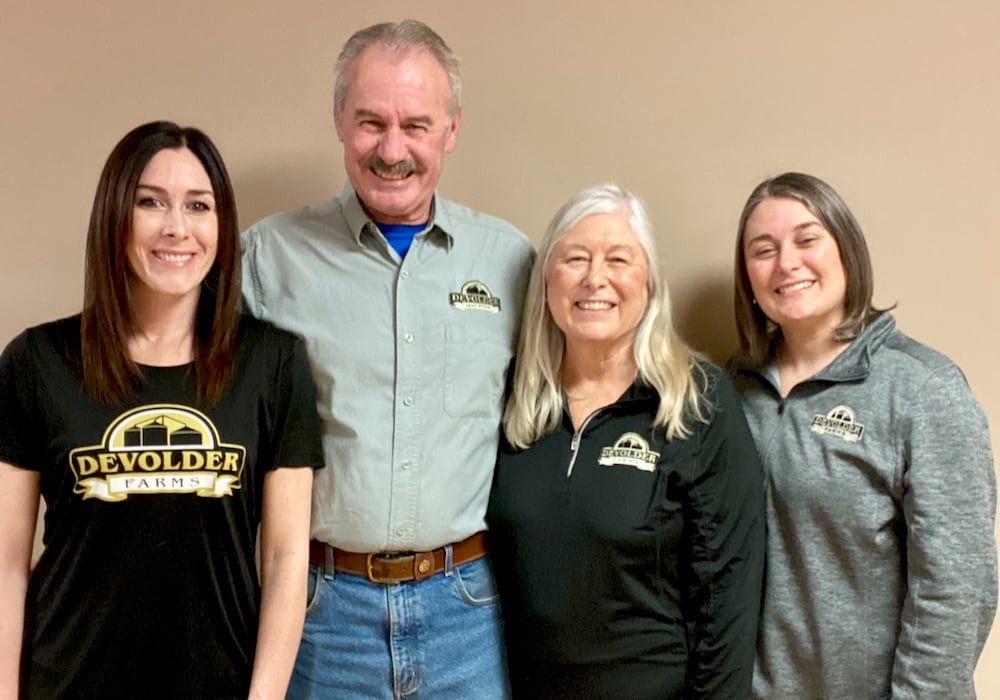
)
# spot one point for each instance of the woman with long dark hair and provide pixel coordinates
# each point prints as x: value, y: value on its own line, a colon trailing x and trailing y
x: 161, y: 427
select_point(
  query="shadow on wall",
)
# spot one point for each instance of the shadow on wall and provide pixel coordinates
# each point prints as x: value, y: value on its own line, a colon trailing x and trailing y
x: 703, y: 315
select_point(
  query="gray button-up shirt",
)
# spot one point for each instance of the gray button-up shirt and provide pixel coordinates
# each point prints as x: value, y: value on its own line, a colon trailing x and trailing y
x: 409, y: 359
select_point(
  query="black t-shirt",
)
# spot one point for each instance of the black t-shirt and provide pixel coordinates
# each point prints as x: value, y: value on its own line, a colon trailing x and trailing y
x: 147, y: 586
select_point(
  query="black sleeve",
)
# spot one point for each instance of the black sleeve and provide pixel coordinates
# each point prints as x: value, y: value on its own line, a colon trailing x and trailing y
x: 297, y: 437
x: 17, y: 406
x: 726, y: 522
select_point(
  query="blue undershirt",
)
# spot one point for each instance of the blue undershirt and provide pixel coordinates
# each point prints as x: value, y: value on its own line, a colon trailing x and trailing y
x: 400, y: 236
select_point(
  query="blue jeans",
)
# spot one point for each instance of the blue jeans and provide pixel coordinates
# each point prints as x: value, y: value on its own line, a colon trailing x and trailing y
x: 439, y: 638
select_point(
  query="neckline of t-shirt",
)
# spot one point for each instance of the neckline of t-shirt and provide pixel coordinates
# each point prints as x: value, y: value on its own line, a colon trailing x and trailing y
x: 164, y: 368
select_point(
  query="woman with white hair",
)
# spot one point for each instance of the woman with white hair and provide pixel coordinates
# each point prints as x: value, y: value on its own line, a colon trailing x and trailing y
x: 626, y: 518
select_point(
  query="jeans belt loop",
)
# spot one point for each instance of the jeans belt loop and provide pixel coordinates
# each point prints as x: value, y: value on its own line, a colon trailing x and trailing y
x: 449, y: 560
x: 328, y: 563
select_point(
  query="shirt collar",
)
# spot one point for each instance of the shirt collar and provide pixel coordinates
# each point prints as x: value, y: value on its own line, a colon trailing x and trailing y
x: 440, y: 223
x: 639, y: 391
x: 856, y: 360
x: 852, y: 364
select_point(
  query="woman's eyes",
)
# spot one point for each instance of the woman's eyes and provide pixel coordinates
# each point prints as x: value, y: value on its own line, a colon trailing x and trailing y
x: 767, y: 251
x: 196, y: 206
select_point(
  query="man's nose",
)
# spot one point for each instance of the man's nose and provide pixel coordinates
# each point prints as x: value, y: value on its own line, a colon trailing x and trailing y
x: 392, y: 146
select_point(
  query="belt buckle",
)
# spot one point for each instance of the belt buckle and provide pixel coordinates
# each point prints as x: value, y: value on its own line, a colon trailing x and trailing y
x: 372, y: 575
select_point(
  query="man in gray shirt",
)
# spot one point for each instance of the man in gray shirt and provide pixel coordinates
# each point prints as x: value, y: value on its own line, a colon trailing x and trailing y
x: 410, y: 307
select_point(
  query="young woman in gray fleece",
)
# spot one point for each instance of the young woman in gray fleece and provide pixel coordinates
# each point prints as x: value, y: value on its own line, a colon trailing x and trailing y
x: 881, y: 561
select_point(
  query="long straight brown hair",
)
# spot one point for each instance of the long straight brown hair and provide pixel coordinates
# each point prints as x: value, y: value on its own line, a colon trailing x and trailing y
x: 108, y: 318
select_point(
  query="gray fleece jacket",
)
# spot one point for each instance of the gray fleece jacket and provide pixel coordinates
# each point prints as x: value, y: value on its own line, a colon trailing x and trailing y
x: 881, y: 561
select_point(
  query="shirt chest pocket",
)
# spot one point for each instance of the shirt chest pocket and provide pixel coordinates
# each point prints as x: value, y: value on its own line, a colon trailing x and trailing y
x: 475, y: 365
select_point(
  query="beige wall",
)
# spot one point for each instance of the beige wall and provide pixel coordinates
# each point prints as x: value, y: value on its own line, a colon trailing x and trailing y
x: 689, y: 104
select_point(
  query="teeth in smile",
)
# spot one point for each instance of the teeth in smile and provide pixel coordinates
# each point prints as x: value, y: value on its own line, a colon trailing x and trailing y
x: 797, y: 287
x: 174, y: 257
x: 594, y: 305
x: 391, y: 176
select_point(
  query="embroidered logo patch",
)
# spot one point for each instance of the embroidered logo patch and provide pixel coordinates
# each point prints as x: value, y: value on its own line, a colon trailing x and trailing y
x: 841, y: 422
x: 630, y: 450
x: 475, y: 296
x: 160, y: 448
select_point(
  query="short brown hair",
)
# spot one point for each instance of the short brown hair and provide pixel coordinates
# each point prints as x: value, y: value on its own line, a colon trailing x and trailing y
x: 760, y: 337
x: 108, y: 320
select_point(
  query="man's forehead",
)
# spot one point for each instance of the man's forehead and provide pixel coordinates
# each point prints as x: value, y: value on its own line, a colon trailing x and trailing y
x: 382, y: 59
x: 383, y: 78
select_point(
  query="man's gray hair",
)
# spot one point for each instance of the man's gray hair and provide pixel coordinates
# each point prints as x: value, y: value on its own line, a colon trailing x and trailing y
x: 402, y: 37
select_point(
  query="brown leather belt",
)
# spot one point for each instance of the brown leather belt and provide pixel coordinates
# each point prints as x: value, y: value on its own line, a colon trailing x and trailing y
x: 387, y: 567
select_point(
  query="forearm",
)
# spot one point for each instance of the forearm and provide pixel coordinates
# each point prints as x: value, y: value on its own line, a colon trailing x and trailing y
x: 19, y: 504
x: 727, y: 557
x: 951, y: 585
x: 13, y: 586
x: 284, y: 565
x: 722, y: 654
x: 942, y: 632
x: 948, y: 609
x: 282, y: 610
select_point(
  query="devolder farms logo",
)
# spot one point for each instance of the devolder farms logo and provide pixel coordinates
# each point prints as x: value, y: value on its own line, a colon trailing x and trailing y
x: 161, y: 448
x: 630, y: 450
x: 475, y: 296
x: 840, y: 421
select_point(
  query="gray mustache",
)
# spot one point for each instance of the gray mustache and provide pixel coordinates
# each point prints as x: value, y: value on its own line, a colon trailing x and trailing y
x: 403, y: 167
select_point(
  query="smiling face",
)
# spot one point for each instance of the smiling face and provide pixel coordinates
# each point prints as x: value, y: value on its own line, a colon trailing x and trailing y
x: 396, y: 131
x: 595, y: 281
x: 175, y: 232
x: 794, y: 267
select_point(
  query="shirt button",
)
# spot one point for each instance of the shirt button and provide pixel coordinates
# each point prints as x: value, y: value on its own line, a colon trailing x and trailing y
x: 408, y: 337
x: 405, y: 465
x: 404, y: 274
x: 408, y: 401
x: 401, y: 530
